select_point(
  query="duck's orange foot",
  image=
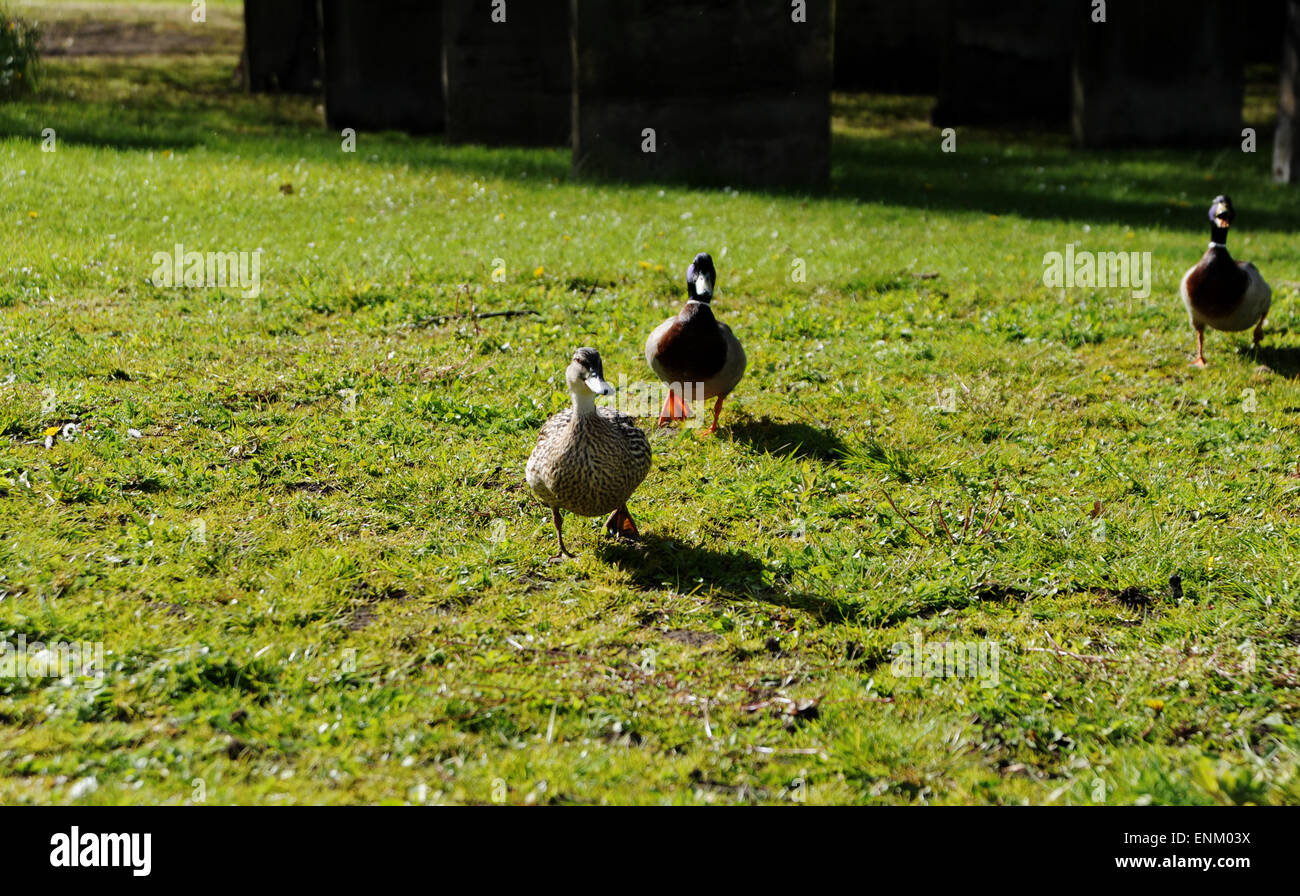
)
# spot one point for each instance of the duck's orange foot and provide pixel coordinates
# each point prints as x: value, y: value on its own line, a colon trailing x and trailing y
x: 717, y: 410
x: 621, y: 525
x: 1199, y: 362
x: 674, y: 409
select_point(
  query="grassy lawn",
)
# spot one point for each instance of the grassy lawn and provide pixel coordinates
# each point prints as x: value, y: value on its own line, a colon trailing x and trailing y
x: 297, y: 521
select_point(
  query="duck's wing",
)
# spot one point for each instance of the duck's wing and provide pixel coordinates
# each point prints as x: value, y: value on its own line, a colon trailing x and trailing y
x: 1258, y: 296
x: 536, y: 471
x: 631, y: 437
x: 729, y: 376
x: 626, y: 427
x: 1185, y: 293
x: 652, y: 343
x: 552, y: 426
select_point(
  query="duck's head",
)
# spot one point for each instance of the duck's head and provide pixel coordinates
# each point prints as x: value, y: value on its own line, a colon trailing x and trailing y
x: 586, y: 375
x: 700, y: 278
x: 1221, y: 213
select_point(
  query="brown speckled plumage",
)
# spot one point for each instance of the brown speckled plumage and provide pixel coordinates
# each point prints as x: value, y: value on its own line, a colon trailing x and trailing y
x: 588, y: 460
x: 588, y: 464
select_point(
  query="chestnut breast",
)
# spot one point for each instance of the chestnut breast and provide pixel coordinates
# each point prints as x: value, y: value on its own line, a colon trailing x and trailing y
x: 693, y: 348
x: 1216, y: 285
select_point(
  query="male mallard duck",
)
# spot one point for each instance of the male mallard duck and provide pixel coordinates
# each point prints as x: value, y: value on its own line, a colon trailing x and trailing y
x: 588, y: 460
x: 1220, y: 292
x: 692, y: 351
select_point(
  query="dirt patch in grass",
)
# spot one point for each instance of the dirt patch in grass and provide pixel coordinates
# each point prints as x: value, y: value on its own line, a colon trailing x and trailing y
x: 365, y: 597
x: 690, y: 637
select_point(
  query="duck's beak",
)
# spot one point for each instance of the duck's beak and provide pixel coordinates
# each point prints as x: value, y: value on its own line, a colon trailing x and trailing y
x: 1219, y: 218
x: 598, y: 385
x: 702, y: 287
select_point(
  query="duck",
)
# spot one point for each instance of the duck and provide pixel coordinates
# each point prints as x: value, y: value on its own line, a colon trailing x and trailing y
x: 588, y: 460
x: 693, y: 352
x: 1222, y: 293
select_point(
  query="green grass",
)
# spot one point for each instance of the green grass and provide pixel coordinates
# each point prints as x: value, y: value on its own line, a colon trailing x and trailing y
x: 366, y: 614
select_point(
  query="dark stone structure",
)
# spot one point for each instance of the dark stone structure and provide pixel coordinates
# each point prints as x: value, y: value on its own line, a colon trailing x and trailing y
x: 383, y: 64
x: 889, y: 46
x: 281, y: 46
x: 735, y: 91
x: 508, y: 82
x: 1286, y: 140
x: 1159, y: 72
x: 1006, y: 62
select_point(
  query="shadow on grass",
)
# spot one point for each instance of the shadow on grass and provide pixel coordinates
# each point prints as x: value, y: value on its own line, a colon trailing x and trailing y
x: 1282, y: 361
x: 163, y: 102
x: 797, y: 440
x: 1000, y: 176
x: 667, y: 563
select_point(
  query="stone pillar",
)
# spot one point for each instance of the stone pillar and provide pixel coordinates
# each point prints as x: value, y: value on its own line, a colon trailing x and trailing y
x: 1286, y: 140
x: 1006, y: 61
x: 729, y: 92
x: 1159, y: 72
x: 889, y: 46
x: 281, y: 46
x: 508, y: 82
x: 383, y: 64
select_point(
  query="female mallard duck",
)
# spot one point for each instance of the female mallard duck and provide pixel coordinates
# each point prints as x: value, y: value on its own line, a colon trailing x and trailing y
x: 588, y: 460
x: 1220, y: 292
x: 693, y: 351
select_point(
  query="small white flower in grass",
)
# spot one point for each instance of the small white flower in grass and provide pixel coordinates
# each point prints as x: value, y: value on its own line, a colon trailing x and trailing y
x: 134, y: 434
x: 83, y: 787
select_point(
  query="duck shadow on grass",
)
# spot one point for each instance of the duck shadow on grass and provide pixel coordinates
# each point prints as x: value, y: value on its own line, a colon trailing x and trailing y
x: 1282, y: 361
x: 656, y: 562
x: 798, y: 440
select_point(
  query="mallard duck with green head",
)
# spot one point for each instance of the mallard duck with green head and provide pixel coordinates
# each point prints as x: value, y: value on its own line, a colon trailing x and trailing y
x: 1221, y: 292
x: 694, y: 352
